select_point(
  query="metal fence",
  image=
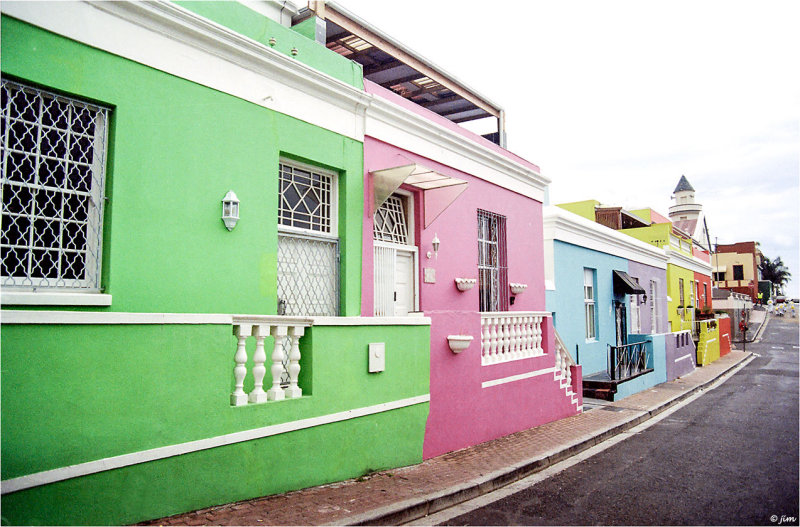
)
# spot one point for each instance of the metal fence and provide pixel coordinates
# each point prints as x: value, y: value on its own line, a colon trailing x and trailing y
x: 308, y: 275
x: 627, y: 360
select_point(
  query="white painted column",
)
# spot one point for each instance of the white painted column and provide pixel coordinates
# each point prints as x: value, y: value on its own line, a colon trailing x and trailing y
x: 293, y: 390
x: 258, y: 395
x: 276, y: 392
x: 241, y: 331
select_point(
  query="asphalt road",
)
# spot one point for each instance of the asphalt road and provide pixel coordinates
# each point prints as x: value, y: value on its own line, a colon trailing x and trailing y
x: 728, y: 458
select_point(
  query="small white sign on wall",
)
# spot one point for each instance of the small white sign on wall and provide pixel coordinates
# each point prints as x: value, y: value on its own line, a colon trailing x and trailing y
x: 429, y: 275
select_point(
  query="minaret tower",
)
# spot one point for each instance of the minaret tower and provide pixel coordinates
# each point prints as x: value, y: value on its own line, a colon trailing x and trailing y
x: 684, y: 208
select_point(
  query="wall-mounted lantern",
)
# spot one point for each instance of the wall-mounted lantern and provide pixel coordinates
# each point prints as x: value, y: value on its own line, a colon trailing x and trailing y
x: 230, y: 210
x: 435, y: 244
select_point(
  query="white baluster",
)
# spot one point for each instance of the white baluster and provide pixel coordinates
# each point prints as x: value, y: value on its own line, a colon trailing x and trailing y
x: 493, y: 338
x: 276, y: 392
x: 238, y: 397
x: 529, y: 322
x: 506, y: 339
x: 258, y: 395
x: 537, y: 334
x: 485, y: 337
x: 512, y: 337
x: 294, y: 391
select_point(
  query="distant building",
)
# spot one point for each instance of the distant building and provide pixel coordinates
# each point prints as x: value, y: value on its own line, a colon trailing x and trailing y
x: 736, y: 268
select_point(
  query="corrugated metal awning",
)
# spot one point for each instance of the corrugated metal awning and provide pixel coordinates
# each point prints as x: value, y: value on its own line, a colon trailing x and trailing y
x: 624, y: 284
x: 720, y: 268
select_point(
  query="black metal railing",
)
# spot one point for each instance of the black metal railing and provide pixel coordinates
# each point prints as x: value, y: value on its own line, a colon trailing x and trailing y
x: 628, y: 360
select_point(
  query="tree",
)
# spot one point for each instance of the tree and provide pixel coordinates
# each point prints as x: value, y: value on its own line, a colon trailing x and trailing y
x: 774, y: 271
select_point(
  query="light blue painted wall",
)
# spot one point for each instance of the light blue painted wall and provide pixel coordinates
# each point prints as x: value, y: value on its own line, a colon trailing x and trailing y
x: 566, y: 302
x: 658, y: 357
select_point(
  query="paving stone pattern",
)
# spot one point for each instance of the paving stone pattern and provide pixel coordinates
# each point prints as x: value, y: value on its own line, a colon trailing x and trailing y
x: 397, y: 495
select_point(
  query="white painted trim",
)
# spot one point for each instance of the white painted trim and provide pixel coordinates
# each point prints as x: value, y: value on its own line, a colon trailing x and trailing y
x: 169, y: 38
x: 29, y: 298
x: 172, y: 39
x: 565, y: 226
x: 684, y: 357
x: 405, y: 129
x: 691, y: 263
x: 514, y: 378
x: 8, y: 316
x: 410, y: 320
x: 153, y: 454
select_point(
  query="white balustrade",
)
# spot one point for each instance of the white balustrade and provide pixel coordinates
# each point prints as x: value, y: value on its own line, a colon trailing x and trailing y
x: 511, y: 335
x: 285, y: 358
x: 563, y: 359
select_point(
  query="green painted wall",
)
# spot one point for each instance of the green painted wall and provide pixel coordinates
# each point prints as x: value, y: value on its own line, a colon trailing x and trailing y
x: 581, y: 208
x: 176, y: 148
x: 251, y: 24
x: 109, y: 390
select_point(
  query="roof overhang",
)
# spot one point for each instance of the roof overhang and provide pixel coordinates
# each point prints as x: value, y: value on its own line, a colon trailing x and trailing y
x: 624, y: 284
x: 393, y: 65
x: 440, y: 190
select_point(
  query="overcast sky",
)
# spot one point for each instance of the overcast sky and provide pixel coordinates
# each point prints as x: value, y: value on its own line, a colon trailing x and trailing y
x: 615, y: 100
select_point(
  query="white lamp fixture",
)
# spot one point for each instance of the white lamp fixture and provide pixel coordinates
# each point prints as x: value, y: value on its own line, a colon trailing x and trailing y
x: 435, y: 244
x: 230, y: 210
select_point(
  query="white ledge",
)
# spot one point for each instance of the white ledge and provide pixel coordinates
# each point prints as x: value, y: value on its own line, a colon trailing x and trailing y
x: 9, y: 316
x: 372, y: 321
x: 28, y: 298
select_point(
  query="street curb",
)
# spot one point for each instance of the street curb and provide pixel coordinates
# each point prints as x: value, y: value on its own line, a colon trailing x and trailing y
x: 415, y: 508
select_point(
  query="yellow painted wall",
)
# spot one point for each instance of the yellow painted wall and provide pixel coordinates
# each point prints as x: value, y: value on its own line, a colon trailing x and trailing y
x: 708, y: 345
x: 674, y: 274
x: 581, y: 208
x: 728, y: 260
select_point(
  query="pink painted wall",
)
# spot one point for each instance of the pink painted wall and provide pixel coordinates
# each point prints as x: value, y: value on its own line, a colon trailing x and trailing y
x: 701, y: 254
x: 462, y: 413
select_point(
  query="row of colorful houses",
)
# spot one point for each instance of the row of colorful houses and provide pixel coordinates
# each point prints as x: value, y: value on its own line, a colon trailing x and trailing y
x: 250, y: 245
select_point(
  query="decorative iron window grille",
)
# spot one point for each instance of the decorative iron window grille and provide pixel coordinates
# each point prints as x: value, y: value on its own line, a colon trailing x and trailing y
x: 390, y: 222
x: 308, y: 276
x: 306, y: 198
x: 53, y: 174
x: 492, y: 262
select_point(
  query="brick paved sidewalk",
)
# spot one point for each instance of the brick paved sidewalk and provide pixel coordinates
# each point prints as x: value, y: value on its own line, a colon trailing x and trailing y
x: 398, y: 495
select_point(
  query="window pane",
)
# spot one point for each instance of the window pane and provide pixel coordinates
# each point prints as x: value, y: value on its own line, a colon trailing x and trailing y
x: 305, y: 198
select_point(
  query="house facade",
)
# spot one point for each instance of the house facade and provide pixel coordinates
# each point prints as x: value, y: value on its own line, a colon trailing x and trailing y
x: 618, y: 285
x: 736, y: 268
x: 181, y: 273
x: 453, y: 229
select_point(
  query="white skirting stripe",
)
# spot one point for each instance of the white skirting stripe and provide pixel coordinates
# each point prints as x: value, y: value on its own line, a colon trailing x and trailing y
x: 684, y: 357
x: 521, y: 376
x: 144, y: 456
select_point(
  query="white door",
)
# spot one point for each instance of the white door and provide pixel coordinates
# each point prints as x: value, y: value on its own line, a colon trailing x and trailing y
x: 395, y: 269
x: 404, y: 282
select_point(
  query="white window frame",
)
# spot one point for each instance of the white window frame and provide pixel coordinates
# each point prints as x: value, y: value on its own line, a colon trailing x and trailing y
x: 636, y: 313
x: 86, y: 288
x: 311, y: 235
x: 409, y: 210
x: 497, y: 298
x: 334, y: 205
x: 589, y: 304
x: 654, y: 315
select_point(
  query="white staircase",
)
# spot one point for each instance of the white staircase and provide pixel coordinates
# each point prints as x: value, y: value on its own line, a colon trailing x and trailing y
x: 562, y: 374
